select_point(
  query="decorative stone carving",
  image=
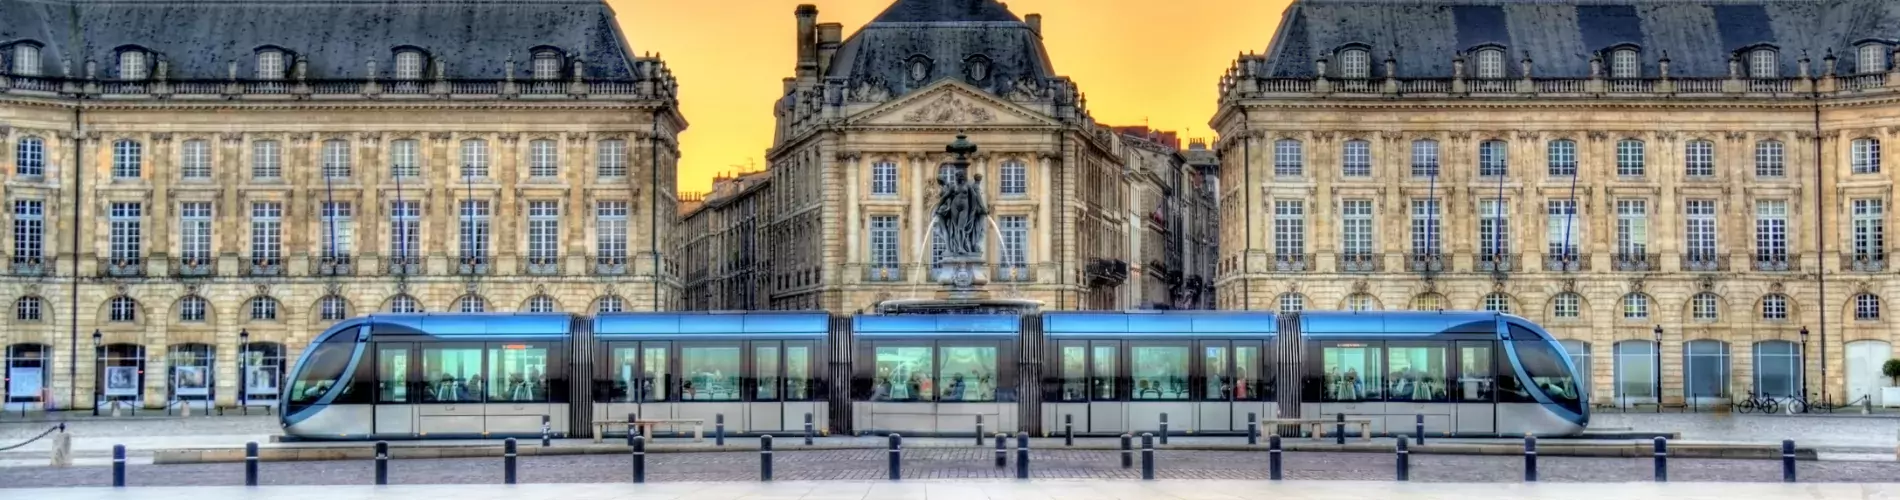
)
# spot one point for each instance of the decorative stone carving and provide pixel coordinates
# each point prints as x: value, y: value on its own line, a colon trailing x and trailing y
x: 869, y: 90
x: 948, y: 108
x: 1027, y: 88
x: 440, y: 137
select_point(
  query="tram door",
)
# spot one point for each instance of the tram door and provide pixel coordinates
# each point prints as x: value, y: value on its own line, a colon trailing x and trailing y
x: 1476, y: 404
x: 1107, y: 412
x: 394, y: 409
x: 767, y: 409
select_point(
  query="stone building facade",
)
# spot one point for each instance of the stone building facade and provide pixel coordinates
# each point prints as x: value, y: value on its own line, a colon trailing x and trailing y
x: 1707, y: 174
x: 1198, y: 206
x: 861, y: 133
x: 720, y: 239
x: 242, y: 184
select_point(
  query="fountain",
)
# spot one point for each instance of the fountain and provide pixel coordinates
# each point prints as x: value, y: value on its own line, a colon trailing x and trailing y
x: 964, y: 218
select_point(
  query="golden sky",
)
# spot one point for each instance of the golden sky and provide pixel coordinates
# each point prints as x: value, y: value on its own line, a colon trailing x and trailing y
x: 1138, y: 60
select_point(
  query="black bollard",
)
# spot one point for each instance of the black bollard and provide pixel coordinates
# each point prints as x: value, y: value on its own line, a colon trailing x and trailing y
x: 1002, y: 457
x: 382, y: 463
x: 1405, y: 462
x: 897, y: 457
x: 118, y: 466
x: 1128, y: 451
x: 979, y: 430
x: 1253, y: 429
x: 765, y: 458
x: 632, y: 430
x: 1273, y: 457
x: 808, y: 429
x: 719, y: 429
x: 547, y: 436
x: 508, y: 461
x: 1164, y: 428
x: 1022, y: 455
x: 1662, y: 459
x: 1339, y: 431
x: 1147, y: 456
x: 1421, y: 428
x: 639, y: 459
x: 1787, y: 460
x: 1530, y: 458
x: 250, y: 463
x: 1068, y: 430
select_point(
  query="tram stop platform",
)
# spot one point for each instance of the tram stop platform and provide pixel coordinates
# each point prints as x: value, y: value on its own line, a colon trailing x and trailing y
x: 999, y: 490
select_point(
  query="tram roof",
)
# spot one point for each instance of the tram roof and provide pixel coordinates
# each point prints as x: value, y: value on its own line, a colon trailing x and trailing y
x: 1159, y: 323
x: 1398, y: 322
x: 713, y: 323
x: 474, y: 324
x: 937, y: 324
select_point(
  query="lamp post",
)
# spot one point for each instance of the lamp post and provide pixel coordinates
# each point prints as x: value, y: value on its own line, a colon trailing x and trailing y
x: 1804, y: 364
x: 98, y: 369
x: 1659, y: 397
x: 244, y: 369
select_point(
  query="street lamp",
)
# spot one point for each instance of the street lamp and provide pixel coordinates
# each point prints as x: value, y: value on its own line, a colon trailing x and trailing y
x: 244, y: 369
x: 98, y: 369
x: 1659, y: 398
x: 1804, y: 362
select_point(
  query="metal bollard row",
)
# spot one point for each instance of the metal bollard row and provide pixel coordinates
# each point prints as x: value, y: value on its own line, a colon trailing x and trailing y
x: 765, y: 458
x: 719, y: 429
x: 1273, y: 457
x: 1002, y: 456
x: 508, y: 461
x: 1662, y: 459
x: 808, y: 428
x: 1164, y: 428
x: 1128, y: 452
x: 639, y: 459
x: 1530, y: 458
x: 1148, y: 456
x: 382, y: 463
x: 897, y: 457
x: 1022, y: 455
x: 1404, y: 460
x: 250, y: 463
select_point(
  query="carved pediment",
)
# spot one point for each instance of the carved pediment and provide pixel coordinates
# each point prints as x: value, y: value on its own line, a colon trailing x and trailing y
x: 949, y: 104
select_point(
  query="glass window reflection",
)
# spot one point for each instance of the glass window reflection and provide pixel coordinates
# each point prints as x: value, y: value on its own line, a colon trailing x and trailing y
x: 969, y: 373
x: 903, y: 374
x: 1248, y: 384
x: 1160, y: 372
x: 653, y: 362
x: 1417, y: 374
x: 453, y: 374
x: 520, y: 373
x: 1103, y: 383
x: 1476, y: 377
x: 1214, y: 361
x: 765, y: 364
x: 1074, y: 372
x: 1352, y: 371
x: 797, y: 373
x: 711, y: 373
x: 392, y: 374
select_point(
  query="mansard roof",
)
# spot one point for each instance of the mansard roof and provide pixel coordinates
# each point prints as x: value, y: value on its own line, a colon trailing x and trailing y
x: 1560, y: 36
x: 952, y: 39
x: 929, y: 11
x: 201, y: 38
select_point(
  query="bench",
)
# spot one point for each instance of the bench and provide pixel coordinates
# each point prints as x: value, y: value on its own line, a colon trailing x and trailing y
x: 1318, y: 425
x: 646, y: 427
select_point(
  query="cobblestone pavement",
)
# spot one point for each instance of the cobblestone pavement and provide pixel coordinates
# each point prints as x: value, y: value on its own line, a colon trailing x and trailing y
x: 1843, y: 431
x: 972, y: 463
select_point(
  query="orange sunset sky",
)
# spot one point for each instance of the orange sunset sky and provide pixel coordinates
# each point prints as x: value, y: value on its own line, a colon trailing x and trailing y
x: 1139, y: 61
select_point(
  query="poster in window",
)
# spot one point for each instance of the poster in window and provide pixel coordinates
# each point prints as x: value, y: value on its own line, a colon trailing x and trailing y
x: 191, y: 381
x: 23, y: 382
x: 260, y: 381
x: 122, y: 381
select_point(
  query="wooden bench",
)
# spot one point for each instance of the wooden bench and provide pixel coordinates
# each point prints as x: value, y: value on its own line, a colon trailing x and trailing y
x: 646, y: 427
x: 1319, y: 425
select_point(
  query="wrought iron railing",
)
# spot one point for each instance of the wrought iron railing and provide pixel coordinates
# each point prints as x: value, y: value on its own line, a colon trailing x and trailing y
x: 264, y: 266
x: 123, y: 267
x: 1564, y: 262
x: 1291, y: 262
x: 195, y: 266
x: 1774, y: 262
x: 405, y: 266
x: 541, y: 265
x: 1425, y: 262
x: 471, y: 265
x: 1636, y: 262
x: 335, y: 265
x: 610, y: 265
x: 1700, y: 261
x: 1361, y: 262
x: 1865, y: 262
x: 30, y: 266
x: 1497, y: 262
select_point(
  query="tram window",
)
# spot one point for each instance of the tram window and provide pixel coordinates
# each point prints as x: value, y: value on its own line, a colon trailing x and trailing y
x: 1074, y: 371
x: 969, y: 373
x: 1545, y: 366
x: 1247, y: 372
x: 453, y: 374
x: 1160, y: 372
x: 711, y: 373
x: 903, y: 374
x: 392, y: 374
x: 519, y: 373
x: 1353, y: 372
x: 765, y: 368
x: 1105, y: 378
x: 1219, y: 383
x: 1417, y: 374
x: 654, y: 384
x: 625, y: 361
x: 797, y: 373
x: 321, y: 372
x: 1477, y: 380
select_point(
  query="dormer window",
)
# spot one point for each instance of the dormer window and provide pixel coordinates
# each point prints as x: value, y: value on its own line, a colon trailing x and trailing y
x: 1624, y: 63
x: 1490, y: 64
x: 26, y: 60
x: 547, y: 65
x: 409, y: 65
x: 132, y: 64
x: 1873, y: 58
x: 1763, y: 63
x: 270, y: 64
x: 1355, y: 64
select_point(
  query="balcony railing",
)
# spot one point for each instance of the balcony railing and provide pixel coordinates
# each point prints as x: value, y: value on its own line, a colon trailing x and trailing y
x: 1633, y: 262
x: 405, y: 266
x: 1425, y: 262
x: 884, y: 274
x: 264, y: 266
x: 334, y: 265
x: 1568, y: 262
x: 193, y: 266
x: 1704, y: 262
x: 1013, y: 274
x: 30, y: 266
x: 610, y: 265
x: 1774, y: 262
x: 541, y: 265
x: 1291, y: 262
x: 1865, y: 262
x: 1864, y: 82
x: 1497, y: 262
x: 124, y: 267
x: 656, y: 86
x: 471, y: 266
x: 1360, y: 262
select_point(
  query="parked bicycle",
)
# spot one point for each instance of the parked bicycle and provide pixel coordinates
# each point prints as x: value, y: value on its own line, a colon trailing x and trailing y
x: 1757, y: 401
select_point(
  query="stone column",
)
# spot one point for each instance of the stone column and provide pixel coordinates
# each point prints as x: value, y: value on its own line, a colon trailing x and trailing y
x: 1044, y: 183
x: 1665, y: 227
x: 918, y: 227
x: 853, y: 206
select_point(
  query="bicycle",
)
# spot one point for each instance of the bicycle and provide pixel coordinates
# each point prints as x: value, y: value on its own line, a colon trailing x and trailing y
x: 1757, y: 401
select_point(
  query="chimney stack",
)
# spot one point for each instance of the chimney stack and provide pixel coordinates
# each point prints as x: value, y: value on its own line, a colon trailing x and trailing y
x: 807, y: 40
x: 1035, y: 23
x: 830, y: 36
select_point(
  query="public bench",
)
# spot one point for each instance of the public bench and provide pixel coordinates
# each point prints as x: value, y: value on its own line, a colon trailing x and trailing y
x: 646, y: 427
x: 1318, y: 425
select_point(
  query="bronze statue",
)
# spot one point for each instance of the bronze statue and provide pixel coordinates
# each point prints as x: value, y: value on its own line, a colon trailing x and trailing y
x: 961, y: 212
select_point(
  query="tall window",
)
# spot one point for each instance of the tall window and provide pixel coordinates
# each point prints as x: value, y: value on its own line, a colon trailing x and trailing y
x: 1490, y: 64
x: 1632, y: 227
x: 474, y: 158
x: 474, y: 230
x: 1698, y: 159
x: 30, y: 157
x: 611, y: 229
x: 1635, y: 306
x: 1625, y: 64
x: 1424, y: 158
x: 1289, y: 158
x: 1704, y: 307
x: 1356, y: 159
x: 194, y: 232
x: 1563, y: 158
x: 1700, y: 230
x: 1425, y: 218
x: 1762, y: 63
x: 191, y: 309
x: 1355, y: 227
x: 1770, y: 159
x: 1629, y: 158
x: 547, y: 65
x: 270, y: 65
x: 402, y: 159
x: 1870, y: 228
x: 471, y: 304
x: 1015, y: 244
x: 123, y: 310
x: 263, y: 309
x: 267, y: 161
x: 1563, y: 232
x: 1866, y: 307
x: 26, y: 60
x: 543, y: 161
x: 336, y: 159
x: 333, y: 308
x: 612, y: 158
x: 1355, y: 64
x: 544, y: 231
x: 1015, y: 178
x: 128, y: 159
x: 1866, y: 156
x: 1497, y: 302
x: 1494, y: 228
x: 125, y: 240
x: 1493, y: 160
x: 267, y: 222
x: 338, y: 228
x: 404, y: 304
x: 1705, y: 369
x: 541, y: 304
x: 29, y: 231
x: 196, y: 154
x: 884, y: 178
x: 132, y: 65
x: 1567, y: 305
x: 1778, y: 368
x: 405, y: 228
x: 1289, y: 227
x: 1774, y: 307
x: 1872, y: 59
x: 408, y: 65
x: 1771, y: 231
x: 884, y: 243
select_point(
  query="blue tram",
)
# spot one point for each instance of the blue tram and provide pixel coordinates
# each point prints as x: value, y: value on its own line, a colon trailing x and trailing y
x: 497, y: 375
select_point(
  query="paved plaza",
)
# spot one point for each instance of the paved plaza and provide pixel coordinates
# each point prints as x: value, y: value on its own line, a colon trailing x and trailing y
x: 1005, y: 490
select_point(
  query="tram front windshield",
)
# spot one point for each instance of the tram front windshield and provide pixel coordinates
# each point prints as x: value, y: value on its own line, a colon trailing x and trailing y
x: 1549, y: 374
x: 320, y: 371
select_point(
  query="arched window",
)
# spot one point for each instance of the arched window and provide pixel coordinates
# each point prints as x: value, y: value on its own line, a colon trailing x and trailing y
x: 1428, y: 302
x: 1490, y: 64
x: 1774, y: 307
x: 404, y: 304
x: 128, y: 159
x: 1872, y: 58
x: 267, y: 160
x: 474, y: 158
x: 547, y: 65
x: 1292, y: 303
x: 409, y: 65
x: 1770, y: 159
x: 1424, y: 158
x: 1014, y: 176
x: 609, y: 304
x: 1497, y: 302
x: 471, y: 304
x: 1567, y: 305
x: 333, y: 308
x: 30, y: 157
x: 1698, y: 158
x: 543, y: 160
x: 1777, y: 368
x: 270, y: 64
x: 1629, y: 158
x: 1355, y: 64
x: 1635, y: 371
x: 192, y: 309
x: 1705, y: 367
x: 1866, y: 155
x: 1562, y: 160
x: 1636, y: 306
x: 263, y: 309
x: 1763, y: 63
x: 1705, y: 307
x: 540, y: 304
x: 1289, y: 158
x: 1361, y: 302
x: 28, y: 308
x: 132, y: 65
x: 1624, y: 63
x: 336, y: 159
x: 1866, y: 307
x: 26, y: 59
x: 123, y: 310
